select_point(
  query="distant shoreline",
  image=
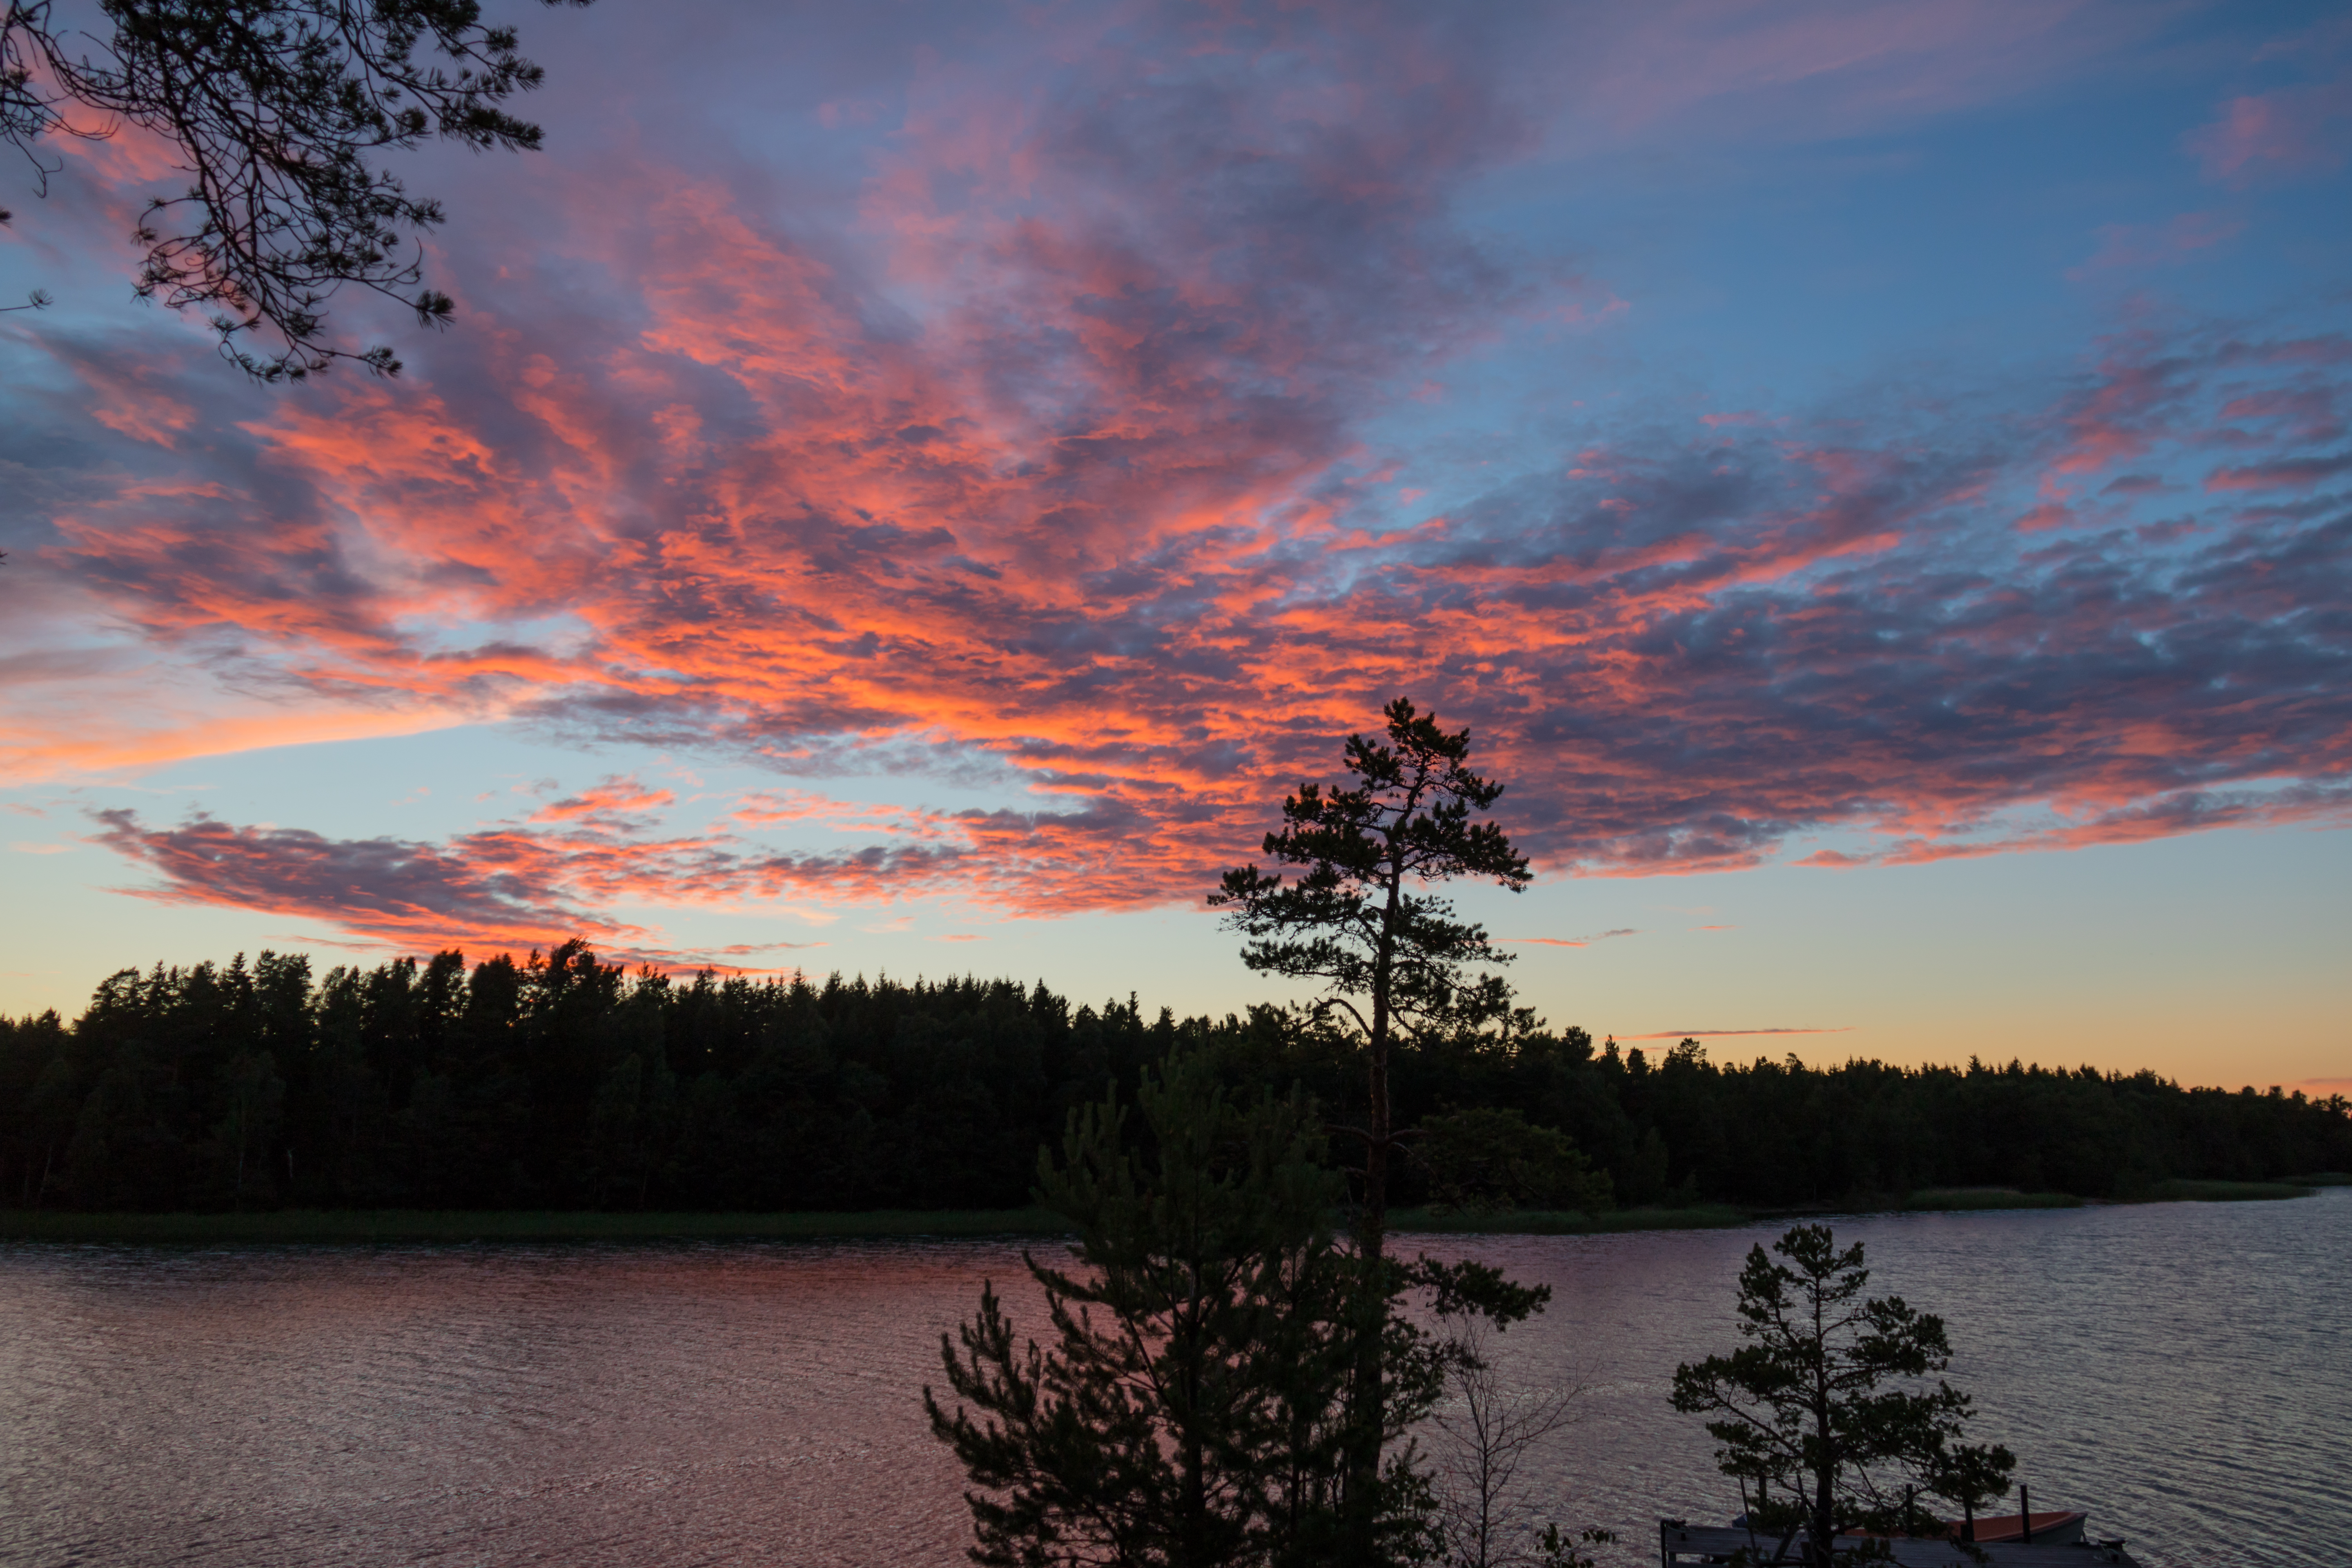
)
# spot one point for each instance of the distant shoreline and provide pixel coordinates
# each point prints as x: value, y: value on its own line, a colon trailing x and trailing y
x: 388, y: 1226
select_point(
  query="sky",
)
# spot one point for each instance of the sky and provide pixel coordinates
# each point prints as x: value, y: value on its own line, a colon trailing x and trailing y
x: 909, y: 488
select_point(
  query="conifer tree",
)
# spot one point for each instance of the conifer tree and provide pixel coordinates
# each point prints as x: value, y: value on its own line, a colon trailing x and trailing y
x: 1393, y: 958
x: 1182, y: 1413
x: 1191, y: 1404
x: 1813, y: 1413
x: 280, y: 111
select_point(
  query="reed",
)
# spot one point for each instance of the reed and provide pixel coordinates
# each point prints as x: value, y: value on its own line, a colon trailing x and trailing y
x: 411, y: 1225
x: 2178, y: 1191
x: 1950, y: 1198
x: 383, y: 1225
x: 1562, y: 1222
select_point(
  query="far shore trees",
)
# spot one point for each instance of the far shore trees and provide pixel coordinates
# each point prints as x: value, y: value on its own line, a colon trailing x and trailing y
x: 1814, y: 1413
x: 1392, y: 957
x: 555, y: 1081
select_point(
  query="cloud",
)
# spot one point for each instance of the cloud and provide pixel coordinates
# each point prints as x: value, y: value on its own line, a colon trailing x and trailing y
x: 2165, y: 818
x: 1844, y: 67
x: 1746, y: 638
x: 1042, y: 448
x: 1571, y: 942
x: 2300, y: 473
x: 525, y: 884
x: 2134, y: 247
x: 618, y: 804
x: 1715, y: 1034
x: 2295, y: 131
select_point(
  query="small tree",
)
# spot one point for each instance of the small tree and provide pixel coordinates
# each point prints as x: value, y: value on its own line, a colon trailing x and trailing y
x: 1191, y: 1406
x: 1480, y: 1157
x: 1967, y: 1476
x: 1184, y: 1413
x: 1393, y: 958
x: 1804, y: 1413
x: 1487, y: 1429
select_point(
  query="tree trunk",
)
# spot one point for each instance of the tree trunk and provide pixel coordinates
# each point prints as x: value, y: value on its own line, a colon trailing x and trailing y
x: 1192, y: 1519
x: 1825, y: 1477
x: 1362, y: 1515
x: 1364, y: 1447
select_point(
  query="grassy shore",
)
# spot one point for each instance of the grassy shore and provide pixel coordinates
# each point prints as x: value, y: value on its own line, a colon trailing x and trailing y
x: 507, y: 1224
x: 1944, y: 1199
x: 1562, y: 1222
x: 2187, y: 1191
x: 388, y: 1226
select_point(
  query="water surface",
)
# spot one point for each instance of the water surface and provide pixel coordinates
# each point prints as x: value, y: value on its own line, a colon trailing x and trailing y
x: 2179, y: 1370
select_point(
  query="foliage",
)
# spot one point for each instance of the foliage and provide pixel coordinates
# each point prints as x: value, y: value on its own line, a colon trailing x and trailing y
x: 1483, y: 1158
x: 1965, y: 1475
x: 558, y: 1082
x: 1359, y: 919
x: 1182, y: 1415
x: 279, y: 110
x: 1191, y: 1406
x: 1355, y: 919
x: 1815, y: 1408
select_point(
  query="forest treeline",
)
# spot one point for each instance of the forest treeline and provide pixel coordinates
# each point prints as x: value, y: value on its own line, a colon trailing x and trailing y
x: 564, y: 1082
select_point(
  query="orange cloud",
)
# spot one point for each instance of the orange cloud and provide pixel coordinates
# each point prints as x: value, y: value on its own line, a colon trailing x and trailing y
x: 1051, y: 453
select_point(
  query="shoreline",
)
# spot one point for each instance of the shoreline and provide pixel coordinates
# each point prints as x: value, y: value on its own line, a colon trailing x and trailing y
x: 404, y: 1227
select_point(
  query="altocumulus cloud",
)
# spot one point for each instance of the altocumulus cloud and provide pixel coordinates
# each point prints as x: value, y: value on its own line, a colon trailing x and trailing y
x: 1043, y: 443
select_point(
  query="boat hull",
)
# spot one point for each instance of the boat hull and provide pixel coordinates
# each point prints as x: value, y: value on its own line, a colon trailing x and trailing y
x: 2057, y: 1528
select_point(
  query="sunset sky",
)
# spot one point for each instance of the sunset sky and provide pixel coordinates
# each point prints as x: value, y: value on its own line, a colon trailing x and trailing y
x: 909, y: 488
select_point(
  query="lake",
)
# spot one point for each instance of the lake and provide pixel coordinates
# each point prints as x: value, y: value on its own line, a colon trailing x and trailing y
x: 2182, y: 1371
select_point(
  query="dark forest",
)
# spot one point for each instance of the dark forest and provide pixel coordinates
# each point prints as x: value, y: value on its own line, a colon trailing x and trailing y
x: 564, y: 1082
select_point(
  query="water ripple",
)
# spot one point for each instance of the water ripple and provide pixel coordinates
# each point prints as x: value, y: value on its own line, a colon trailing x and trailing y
x: 2182, y: 1371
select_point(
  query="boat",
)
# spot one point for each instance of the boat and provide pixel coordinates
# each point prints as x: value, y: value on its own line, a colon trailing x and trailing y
x: 2057, y: 1528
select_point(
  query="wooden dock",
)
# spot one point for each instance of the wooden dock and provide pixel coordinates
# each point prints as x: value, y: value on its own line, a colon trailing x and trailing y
x: 1686, y: 1546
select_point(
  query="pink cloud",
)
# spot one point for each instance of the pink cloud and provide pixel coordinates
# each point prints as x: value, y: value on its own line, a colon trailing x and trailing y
x: 2296, y: 131
x: 2136, y: 246
x: 1842, y: 67
x: 1045, y: 448
x: 1569, y: 941
x: 617, y: 802
x: 1172, y: 664
x: 2298, y: 473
